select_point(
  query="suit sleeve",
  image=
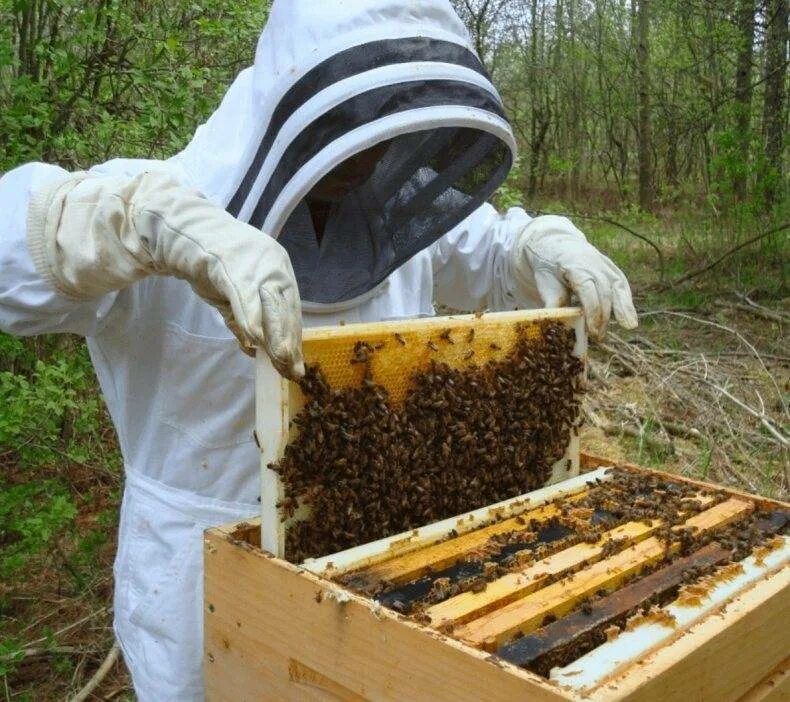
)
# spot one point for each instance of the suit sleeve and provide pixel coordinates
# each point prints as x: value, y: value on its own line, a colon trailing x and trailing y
x: 29, y: 305
x: 472, y: 267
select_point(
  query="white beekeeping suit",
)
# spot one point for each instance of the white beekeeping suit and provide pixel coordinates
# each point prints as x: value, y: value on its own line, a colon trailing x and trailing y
x: 142, y: 259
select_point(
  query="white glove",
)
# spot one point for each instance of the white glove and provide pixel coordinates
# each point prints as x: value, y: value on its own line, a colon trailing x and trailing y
x: 552, y: 259
x: 89, y: 235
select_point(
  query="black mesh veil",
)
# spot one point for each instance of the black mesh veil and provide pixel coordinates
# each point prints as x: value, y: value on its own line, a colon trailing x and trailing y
x: 425, y: 184
x: 448, y: 147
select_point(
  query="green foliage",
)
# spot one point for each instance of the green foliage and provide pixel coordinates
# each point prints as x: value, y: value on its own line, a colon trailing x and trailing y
x: 51, y: 416
x: 83, y: 82
x: 11, y: 652
x: 13, y: 352
x: 31, y: 515
x: 36, y: 408
x: 567, y: 72
x: 510, y: 193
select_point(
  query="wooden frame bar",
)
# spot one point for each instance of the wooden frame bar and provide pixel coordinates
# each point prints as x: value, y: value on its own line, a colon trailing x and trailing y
x: 529, y: 649
x: 413, y: 565
x: 510, y: 587
x: 602, y: 666
x: 526, y: 614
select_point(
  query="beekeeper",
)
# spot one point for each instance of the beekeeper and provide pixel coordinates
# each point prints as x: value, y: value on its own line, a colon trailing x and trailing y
x: 346, y: 172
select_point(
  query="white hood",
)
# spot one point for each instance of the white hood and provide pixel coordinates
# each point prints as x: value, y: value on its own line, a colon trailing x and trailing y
x: 332, y: 79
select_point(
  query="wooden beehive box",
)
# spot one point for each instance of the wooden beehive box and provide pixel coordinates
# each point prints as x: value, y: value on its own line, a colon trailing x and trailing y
x: 360, y: 625
x: 277, y: 631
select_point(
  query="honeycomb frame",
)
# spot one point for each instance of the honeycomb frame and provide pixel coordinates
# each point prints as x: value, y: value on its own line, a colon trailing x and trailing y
x: 402, y: 347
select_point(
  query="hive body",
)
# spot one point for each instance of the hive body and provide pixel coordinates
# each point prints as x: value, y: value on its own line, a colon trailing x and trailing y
x: 278, y: 631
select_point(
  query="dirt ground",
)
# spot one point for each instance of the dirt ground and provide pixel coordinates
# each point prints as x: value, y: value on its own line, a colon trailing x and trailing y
x: 700, y: 392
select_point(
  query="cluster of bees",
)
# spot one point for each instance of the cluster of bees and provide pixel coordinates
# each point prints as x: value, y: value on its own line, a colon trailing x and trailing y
x: 643, y: 497
x: 461, y: 439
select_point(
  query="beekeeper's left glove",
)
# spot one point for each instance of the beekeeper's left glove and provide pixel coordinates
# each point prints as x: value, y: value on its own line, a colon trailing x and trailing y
x: 89, y: 235
x: 552, y: 259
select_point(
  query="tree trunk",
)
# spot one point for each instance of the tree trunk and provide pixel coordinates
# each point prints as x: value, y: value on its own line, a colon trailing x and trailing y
x: 743, y: 94
x: 578, y: 99
x: 643, y: 81
x: 773, y: 107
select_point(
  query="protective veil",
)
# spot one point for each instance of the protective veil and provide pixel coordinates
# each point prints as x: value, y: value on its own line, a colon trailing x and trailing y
x: 333, y: 79
x: 329, y: 80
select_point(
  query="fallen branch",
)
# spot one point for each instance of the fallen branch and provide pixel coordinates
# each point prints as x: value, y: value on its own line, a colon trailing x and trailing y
x: 769, y: 312
x: 719, y: 354
x: 732, y: 331
x: 672, y: 394
x: 681, y: 431
x: 764, y: 420
x: 729, y: 252
x: 756, y: 311
x: 79, y: 622
x: 117, y: 691
x: 98, y: 676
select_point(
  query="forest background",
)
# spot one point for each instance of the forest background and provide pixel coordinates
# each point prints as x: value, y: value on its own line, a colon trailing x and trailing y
x: 660, y: 126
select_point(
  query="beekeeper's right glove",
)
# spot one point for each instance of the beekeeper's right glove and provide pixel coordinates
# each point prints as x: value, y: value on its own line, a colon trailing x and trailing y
x: 552, y: 259
x: 89, y: 235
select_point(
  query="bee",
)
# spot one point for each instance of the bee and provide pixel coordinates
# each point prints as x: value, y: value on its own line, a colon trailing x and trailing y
x: 362, y: 351
x: 494, y: 347
x: 399, y: 607
x: 478, y: 585
x: 440, y: 587
x: 432, y: 346
x: 470, y: 335
x: 399, y: 338
x: 489, y: 570
x: 469, y: 354
x: 445, y: 336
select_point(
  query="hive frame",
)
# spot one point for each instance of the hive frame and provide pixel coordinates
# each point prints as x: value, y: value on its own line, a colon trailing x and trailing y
x: 277, y: 400
x: 612, y: 668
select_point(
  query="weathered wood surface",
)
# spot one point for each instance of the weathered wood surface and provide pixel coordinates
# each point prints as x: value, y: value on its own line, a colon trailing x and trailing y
x: 446, y: 553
